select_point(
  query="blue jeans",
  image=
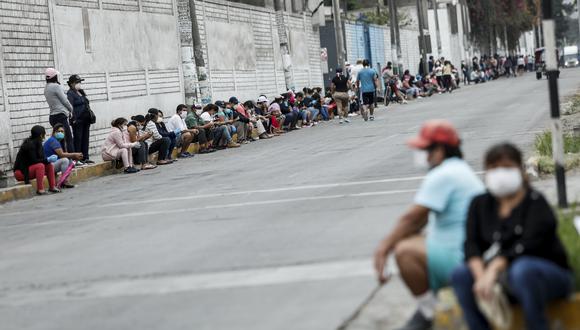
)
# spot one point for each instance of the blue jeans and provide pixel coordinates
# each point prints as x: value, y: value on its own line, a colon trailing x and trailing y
x: 533, y: 282
x: 314, y: 113
x: 324, y: 112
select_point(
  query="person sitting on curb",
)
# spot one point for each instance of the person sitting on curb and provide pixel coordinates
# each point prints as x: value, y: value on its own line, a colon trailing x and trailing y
x: 177, y: 125
x: 162, y: 129
x: 426, y: 263
x: 278, y: 119
x: 135, y: 133
x: 512, y: 240
x: 116, y: 146
x: 157, y: 142
x: 221, y: 131
x: 32, y: 163
x: 241, y: 120
x: 52, y: 146
x: 205, y: 137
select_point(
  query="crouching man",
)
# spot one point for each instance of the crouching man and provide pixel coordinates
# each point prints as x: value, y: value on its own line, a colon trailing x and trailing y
x: 426, y: 261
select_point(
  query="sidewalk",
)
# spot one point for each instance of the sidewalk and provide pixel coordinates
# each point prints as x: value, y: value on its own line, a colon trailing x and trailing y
x: 393, y: 304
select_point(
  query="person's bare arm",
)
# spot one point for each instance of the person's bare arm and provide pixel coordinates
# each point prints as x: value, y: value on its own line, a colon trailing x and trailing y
x: 74, y: 155
x: 409, y: 224
x: 332, y: 88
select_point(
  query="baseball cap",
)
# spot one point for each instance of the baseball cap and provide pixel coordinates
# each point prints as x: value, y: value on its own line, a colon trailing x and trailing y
x: 262, y: 99
x: 50, y: 73
x: 233, y: 100
x: 435, y: 131
x: 75, y: 78
x: 220, y: 104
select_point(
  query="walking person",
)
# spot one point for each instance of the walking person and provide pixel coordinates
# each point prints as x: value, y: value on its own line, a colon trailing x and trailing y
x: 426, y: 262
x: 81, y: 117
x: 339, y: 89
x: 511, y: 241
x: 447, y: 76
x: 368, y: 82
x: 60, y: 107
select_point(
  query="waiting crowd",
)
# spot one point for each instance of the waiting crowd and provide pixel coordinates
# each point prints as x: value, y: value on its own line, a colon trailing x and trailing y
x: 132, y: 142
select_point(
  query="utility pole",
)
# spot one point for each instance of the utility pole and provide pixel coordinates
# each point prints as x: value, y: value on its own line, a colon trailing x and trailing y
x: 284, y: 49
x: 423, y: 44
x: 437, y: 32
x: 340, y: 51
x: 392, y: 28
x: 203, y: 84
x: 549, y: 29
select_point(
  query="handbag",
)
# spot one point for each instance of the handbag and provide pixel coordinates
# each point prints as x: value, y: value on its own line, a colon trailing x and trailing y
x: 88, y: 114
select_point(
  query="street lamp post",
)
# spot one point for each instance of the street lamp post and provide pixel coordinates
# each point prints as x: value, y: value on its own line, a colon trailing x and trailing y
x: 549, y: 30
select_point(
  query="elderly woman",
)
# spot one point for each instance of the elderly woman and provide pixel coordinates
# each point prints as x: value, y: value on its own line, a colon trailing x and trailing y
x: 32, y: 163
x: 117, y: 146
x: 511, y: 239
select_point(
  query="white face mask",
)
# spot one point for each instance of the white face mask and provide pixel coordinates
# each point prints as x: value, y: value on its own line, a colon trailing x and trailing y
x: 78, y: 86
x: 159, y: 119
x: 421, y: 159
x: 183, y: 114
x: 503, y: 181
x: 199, y: 111
x: 124, y: 128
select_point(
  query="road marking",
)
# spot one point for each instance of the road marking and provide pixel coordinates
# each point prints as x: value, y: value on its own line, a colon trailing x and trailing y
x: 163, y: 285
x: 124, y: 216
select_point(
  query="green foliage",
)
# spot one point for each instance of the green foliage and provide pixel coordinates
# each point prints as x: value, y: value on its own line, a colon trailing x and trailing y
x: 543, y: 144
x: 571, y: 241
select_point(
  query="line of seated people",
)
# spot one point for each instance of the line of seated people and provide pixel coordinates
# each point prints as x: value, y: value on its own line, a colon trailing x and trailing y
x: 132, y: 142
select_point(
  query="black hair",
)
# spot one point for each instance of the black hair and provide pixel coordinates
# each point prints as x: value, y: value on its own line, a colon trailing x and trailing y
x: 366, y: 62
x: 118, y: 122
x: 56, y: 127
x: 138, y: 118
x: 36, y: 132
x: 299, y: 94
x: 503, y: 151
x: 149, y: 117
x: 52, y: 80
x: 210, y: 107
x: 154, y: 111
x: 181, y: 106
x: 249, y: 104
x: 450, y: 151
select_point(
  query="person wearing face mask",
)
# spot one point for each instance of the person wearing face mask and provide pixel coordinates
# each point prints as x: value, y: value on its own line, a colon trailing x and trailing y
x: 185, y: 136
x: 135, y: 133
x: 52, y: 147
x: 32, y: 163
x: 117, y: 146
x: 162, y: 129
x: 426, y: 262
x: 60, y: 107
x: 511, y: 238
x: 81, y: 116
x: 156, y: 142
x: 339, y: 89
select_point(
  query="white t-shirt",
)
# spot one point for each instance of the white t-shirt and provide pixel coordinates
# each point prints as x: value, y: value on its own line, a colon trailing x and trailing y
x: 354, y: 72
x: 207, y: 117
x: 176, y: 122
x: 521, y: 61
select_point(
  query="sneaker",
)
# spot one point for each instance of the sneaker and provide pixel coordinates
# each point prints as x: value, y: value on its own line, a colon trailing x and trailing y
x: 80, y: 163
x: 346, y: 120
x: 372, y: 118
x: 232, y: 144
x: 67, y: 185
x: 417, y: 322
x: 183, y: 155
x: 341, y: 121
x: 88, y: 161
x: 130, y: 170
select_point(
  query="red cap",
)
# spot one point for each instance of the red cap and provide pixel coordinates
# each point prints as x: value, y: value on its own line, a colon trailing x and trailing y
x: 435, y: 131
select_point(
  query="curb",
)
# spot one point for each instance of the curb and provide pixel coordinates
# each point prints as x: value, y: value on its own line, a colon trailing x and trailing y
x: 80, y: 174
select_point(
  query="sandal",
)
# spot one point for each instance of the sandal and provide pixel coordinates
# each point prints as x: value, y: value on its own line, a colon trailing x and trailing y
x: 164, y: 162
x: 54, y: 190
x: 149, y: 167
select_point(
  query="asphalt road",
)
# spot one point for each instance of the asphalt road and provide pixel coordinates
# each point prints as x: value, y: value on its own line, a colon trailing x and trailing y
x: 275, y: 235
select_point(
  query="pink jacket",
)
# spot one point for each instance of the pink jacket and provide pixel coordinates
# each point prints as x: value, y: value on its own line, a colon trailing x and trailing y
x: 114, y: 142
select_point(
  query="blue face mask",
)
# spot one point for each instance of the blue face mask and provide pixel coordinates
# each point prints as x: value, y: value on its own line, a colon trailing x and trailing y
x: 59, y: 135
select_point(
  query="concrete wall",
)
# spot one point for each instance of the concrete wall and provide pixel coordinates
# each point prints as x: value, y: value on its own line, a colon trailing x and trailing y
x: 127, y: 50
x: 245, y: 38
x: 454, y: 46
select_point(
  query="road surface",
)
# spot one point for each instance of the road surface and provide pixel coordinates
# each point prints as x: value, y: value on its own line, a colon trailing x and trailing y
x: 275, y: 235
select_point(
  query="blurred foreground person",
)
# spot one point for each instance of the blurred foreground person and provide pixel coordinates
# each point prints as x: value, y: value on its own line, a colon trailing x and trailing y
x: 426, y: 262
x: 511, y: 248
